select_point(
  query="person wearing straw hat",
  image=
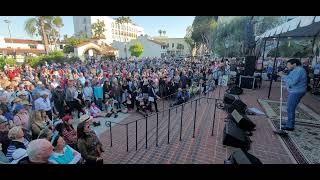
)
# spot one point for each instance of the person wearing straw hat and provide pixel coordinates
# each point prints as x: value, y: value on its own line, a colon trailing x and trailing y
x: 89, y: 144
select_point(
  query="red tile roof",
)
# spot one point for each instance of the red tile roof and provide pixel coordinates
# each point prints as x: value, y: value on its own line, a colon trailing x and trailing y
x: 22, y: 41
x: 19, y: 50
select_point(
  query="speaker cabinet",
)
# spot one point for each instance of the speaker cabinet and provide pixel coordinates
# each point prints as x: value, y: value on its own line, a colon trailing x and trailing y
x: 240, y: 156
x: 238, y: 105
x: 250, y: 65
x: 242, y: 121
x: 235, y: 137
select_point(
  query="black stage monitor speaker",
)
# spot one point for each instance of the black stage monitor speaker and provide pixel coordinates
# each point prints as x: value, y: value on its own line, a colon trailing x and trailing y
x: 242, y: 121
x: 250, y: 65
x: 229, y: 98
x: 237, y: 104
x: 235, y: 137
x: 242, y: 157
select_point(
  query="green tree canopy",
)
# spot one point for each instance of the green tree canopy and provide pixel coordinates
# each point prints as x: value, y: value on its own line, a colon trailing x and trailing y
x: 136, y: 49
x: 98, y: 29
x: 47, y: 27
x: 202, y: 29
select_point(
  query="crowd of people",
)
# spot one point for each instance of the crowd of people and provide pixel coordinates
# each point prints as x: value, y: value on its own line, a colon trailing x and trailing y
x: 38, y: 105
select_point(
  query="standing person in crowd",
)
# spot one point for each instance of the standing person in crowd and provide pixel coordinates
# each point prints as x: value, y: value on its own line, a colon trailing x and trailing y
x: 89, y: 145
x: 87, y: 94
x: 72, y: 100
x: 98, y: 94
x: 316, y: 75
x: 59, y: 102
x: 296, y: 82
x: 153, y: 97
x: 43, y: 103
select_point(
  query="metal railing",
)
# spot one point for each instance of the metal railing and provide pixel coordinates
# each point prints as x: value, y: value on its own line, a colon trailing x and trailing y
x: 217, y: 104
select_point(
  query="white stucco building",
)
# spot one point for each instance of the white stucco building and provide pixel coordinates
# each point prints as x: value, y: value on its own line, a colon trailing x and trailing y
x: 23, y: 47
x: 152, y: 48
x: 175, y: 46
x: 113, y: 31
x: 91, y: 48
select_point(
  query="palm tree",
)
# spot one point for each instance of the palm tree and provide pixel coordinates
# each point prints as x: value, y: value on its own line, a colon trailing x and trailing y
x: 164, y: 33
x: 160, y: 32
x: 43, y: 26
x: 124, y: 20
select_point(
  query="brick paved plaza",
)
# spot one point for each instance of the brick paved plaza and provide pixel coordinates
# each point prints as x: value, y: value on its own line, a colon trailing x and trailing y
x: 204, y: 148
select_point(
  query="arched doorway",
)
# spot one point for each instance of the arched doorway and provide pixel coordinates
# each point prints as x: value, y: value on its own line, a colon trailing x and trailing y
x: 91, y: 51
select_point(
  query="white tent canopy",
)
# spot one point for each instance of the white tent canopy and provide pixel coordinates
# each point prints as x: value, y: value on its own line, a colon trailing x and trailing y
x: 301, y: 26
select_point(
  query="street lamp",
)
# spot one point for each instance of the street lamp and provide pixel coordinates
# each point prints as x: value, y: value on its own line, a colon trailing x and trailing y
x: 8, y: 23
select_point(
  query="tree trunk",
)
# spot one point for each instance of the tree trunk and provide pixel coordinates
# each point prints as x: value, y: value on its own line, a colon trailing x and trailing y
x: 44, y: 37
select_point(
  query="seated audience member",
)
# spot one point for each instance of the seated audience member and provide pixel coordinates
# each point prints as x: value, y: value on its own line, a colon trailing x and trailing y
x: 21, y: 118
x: 95, y: 112
x: 38, y: 152
x: 19, y: 155
x: 4, y: 130
x: 89, y: 144
x: 3, y: 157
x: 182, y: 97
x: 67, y: 131
x: 4, y: 112
x: 39, y: 122
x: 110, y: 107
x: 17, y: 141
x: 45, y: 133
x: 62, y: 153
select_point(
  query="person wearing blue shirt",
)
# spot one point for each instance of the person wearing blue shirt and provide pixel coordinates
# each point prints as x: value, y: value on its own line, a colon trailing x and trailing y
x: 296, y: 82
x: 98, y: 94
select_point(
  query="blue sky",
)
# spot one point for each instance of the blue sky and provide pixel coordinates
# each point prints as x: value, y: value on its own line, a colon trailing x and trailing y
x: 175, y: 26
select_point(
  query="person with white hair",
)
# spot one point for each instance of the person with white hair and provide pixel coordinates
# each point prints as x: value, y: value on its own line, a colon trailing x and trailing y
x: 43, y: 103
x: 38, y: 152
x: 17, y: 141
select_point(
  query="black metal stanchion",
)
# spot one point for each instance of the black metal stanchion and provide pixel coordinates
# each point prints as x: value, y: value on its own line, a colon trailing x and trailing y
x: 127, y: 133
x: 194, y: 122
x: 136, y: 135
x: 169, y: 126
x: 146, y: 132
x: 181, y: 121
x: 157, y: 130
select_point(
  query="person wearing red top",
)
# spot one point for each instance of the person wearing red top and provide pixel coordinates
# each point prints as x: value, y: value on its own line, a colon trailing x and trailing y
x: 67, y: 131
